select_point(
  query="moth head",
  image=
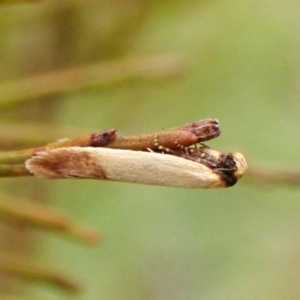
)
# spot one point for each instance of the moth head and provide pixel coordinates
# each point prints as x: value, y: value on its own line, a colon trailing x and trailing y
x: 240, y: 163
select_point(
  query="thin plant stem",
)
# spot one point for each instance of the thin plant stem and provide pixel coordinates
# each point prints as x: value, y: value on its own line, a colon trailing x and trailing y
x: 44, y: 217
x: 23, y: 268
x: 172, y: 138
x: 104, y: 73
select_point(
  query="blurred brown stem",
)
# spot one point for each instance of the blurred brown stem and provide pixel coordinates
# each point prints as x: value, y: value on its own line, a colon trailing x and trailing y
x: 274, y: 177
x: 22, y: 268
x: 104, y: 73
x: 19, y: 135
x: 44, y: 217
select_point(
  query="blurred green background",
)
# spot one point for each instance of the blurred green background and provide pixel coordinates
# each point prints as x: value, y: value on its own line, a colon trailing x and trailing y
x: 238, y: 61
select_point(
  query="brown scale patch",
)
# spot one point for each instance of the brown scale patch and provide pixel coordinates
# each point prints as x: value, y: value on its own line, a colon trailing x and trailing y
x: 65, y: 163
x: 82, y: 166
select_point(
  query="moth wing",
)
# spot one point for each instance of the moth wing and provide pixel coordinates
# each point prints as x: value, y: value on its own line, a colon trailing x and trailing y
x: 122, y: 165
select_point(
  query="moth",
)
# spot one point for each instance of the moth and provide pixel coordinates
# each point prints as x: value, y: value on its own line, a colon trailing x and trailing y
x: 188, y: 167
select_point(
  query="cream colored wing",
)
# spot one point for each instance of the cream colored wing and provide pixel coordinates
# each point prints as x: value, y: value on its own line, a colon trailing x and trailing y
x: 123, y: 165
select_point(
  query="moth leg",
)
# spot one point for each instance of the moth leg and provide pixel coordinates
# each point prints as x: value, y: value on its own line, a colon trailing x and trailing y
x: 204, y: 145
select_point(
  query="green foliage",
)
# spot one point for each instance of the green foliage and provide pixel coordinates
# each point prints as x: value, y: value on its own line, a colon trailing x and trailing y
x: 242, y: 67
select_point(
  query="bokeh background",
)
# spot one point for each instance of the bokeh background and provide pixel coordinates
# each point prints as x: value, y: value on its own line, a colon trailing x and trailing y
x: 161, y: 64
